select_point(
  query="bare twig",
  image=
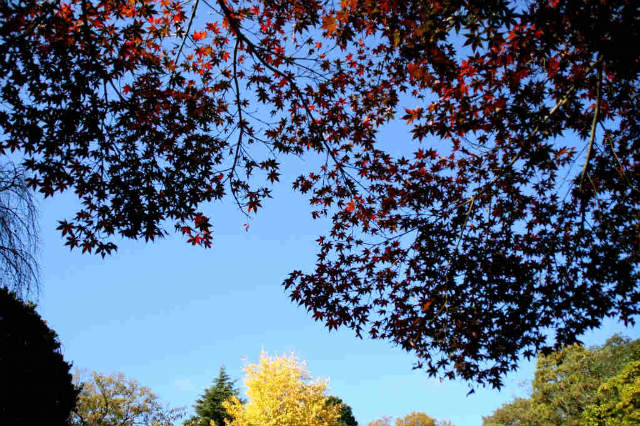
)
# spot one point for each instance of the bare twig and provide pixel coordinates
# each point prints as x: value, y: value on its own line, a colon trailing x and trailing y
x: 18, y: 233
x: 186, y: 34
x: 240, y: 123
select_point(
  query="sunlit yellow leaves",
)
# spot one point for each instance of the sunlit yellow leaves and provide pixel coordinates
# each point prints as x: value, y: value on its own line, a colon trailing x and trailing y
x: 282, y: 392
x: 618, y: 399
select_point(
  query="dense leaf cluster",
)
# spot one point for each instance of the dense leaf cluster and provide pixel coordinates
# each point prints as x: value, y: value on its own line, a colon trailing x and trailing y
x: 514, y: 211
x: 280, y: 391
x: 346, y: 413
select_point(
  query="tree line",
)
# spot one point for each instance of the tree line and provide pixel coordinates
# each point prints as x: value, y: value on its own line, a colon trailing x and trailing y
x: 280, y: 390
x: 573, y: 386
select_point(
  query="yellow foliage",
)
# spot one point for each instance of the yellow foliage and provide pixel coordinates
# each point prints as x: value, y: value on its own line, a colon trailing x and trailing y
x: 384, y: 421
x: 282, y: 392
x: 416, y: 419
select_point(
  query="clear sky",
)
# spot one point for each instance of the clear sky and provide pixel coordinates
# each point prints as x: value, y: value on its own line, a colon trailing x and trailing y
x: 169, y: 315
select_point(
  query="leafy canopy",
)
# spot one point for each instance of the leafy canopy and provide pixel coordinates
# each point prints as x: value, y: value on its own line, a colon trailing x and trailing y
x: 281, y: 391
x: 415, y: 418
x: 488, y: 228
x: 516, y: 413
x: 618, y: 399
x: 384, y: 421
x: 578, y: 386
x: 116, y: 400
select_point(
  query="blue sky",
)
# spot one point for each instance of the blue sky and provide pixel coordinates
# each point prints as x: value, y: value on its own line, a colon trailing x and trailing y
x: 169, y: 315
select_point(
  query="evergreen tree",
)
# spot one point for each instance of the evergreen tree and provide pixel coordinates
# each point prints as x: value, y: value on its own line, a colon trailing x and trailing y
x: 209, y: 406
x: 346, y: 414
x: 35, y: 383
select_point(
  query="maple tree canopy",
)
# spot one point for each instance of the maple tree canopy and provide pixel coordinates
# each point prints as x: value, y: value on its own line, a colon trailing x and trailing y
x: 510, y: 224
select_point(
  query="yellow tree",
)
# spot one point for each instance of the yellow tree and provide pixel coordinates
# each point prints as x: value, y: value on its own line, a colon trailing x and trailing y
x: 281, y: 391
x: 416, y: 419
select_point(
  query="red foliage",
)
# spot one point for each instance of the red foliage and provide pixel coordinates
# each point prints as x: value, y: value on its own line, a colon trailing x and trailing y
x: 467, y: 252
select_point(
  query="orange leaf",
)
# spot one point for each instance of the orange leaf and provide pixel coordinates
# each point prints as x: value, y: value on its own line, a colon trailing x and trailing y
x: 198, y: 35
x: 329, y: 24
x: 349, y: 4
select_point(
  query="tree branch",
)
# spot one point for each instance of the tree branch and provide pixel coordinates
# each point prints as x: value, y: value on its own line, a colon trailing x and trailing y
x: 593, y: 125
x: 186, y: 34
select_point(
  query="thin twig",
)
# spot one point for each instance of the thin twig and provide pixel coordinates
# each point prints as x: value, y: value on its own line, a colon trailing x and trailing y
x: 464, y: 226
x: 240, y: 123
x: 186, y: 34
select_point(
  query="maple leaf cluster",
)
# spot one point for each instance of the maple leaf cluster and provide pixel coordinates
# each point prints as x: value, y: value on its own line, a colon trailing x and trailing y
x: 508, y: 225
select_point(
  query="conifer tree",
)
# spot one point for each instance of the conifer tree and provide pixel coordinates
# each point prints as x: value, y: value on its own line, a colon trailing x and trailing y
x: 35, y: 383
x: 346, y: 413
x: 209, y: 406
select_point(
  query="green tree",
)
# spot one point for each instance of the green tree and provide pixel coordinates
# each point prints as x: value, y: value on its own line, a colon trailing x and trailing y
x: 516, y: 413
x: 567, y: 382
x: 35, y: 383
x: 208, y: 407
x: 116, y: 400
x: 346, y: 414
x: 618, y: 399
